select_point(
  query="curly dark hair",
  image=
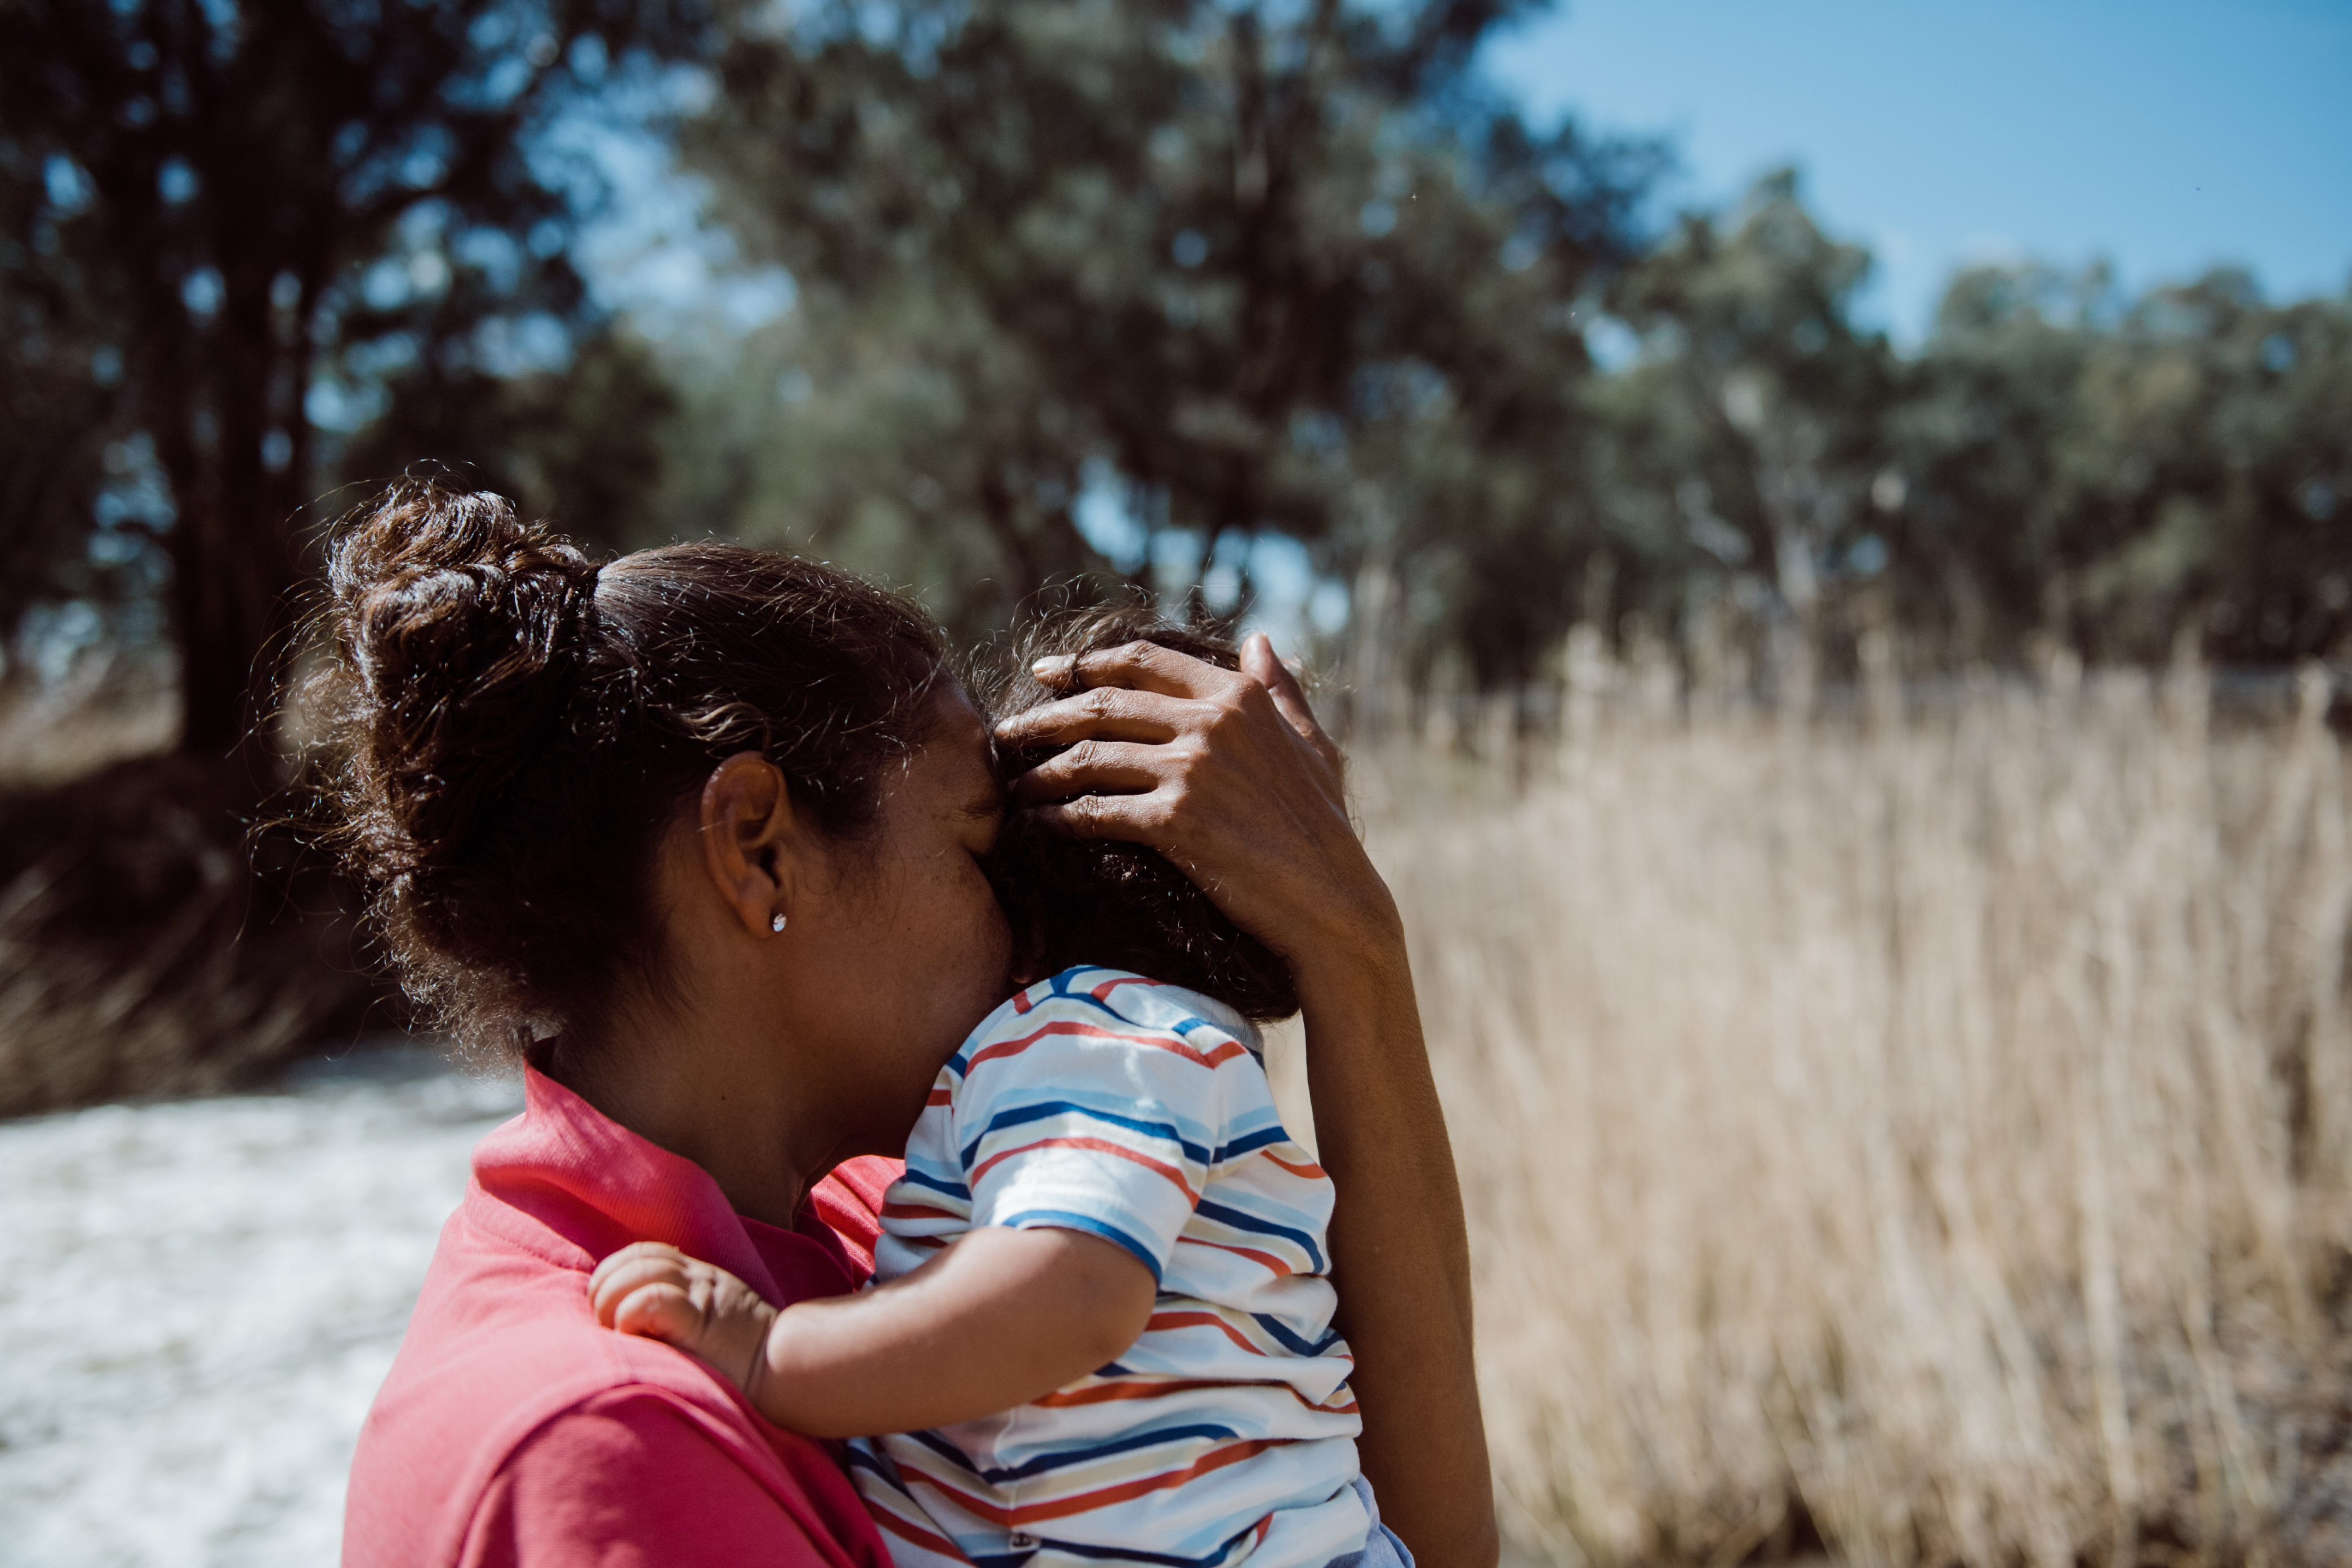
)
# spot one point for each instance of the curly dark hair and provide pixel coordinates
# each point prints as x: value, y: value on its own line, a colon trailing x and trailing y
x: 1076, y: 900
x: 512, y: 727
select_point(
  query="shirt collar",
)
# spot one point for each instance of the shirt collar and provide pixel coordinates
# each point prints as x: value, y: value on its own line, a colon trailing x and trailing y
x: 599, y: 1186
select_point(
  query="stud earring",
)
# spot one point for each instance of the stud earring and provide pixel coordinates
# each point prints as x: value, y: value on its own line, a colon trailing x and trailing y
x: 777, y: 924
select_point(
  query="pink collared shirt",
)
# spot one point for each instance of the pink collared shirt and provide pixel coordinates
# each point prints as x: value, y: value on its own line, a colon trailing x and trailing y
x: 514, y: 1430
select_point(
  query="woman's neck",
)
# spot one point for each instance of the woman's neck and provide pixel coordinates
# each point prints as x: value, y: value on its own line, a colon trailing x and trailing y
x: 706, y: 1095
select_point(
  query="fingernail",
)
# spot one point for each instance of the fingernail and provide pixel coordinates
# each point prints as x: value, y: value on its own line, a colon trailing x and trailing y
x: 1053, y: 667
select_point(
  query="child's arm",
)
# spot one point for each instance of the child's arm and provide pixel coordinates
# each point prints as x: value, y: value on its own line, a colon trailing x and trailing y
x: 1001, y: 1318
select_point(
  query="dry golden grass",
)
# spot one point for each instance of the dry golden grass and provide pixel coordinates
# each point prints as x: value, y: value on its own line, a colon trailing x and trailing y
x: 1921, y: 1142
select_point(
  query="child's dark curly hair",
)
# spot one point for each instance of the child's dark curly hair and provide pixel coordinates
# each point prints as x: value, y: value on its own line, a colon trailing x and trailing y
x: 1082, y: 900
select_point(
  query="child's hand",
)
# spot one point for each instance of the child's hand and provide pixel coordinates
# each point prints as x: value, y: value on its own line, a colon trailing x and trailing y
x: 657, y: 1291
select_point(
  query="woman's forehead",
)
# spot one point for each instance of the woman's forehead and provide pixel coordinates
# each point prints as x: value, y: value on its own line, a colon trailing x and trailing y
x: 961, y: 753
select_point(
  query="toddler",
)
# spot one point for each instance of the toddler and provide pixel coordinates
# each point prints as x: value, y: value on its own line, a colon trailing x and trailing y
x: 1101, y: 1326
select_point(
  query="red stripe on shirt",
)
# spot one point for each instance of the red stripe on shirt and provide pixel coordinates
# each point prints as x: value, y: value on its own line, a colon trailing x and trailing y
x: 1083, y: 1502
x: 1197, y: 1321
x: 907, y: 1530
x: 1111, y: 1391
x: 1311, y: 1171
x: 1266, y: 1260
x: 1102, y: 992
x: 1100, y: 1145
x: 1221, y: 1054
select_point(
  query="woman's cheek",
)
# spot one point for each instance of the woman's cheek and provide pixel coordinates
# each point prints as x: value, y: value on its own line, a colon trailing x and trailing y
x: 983, y: 937
x: 995, y: 957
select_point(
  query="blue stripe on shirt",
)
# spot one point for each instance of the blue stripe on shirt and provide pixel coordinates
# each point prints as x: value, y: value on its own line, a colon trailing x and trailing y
x: 938, y: 1184
x: 1129, y: 1554
x: 1019, y: 1115
x: 1288, y: 1341
x: 1250, y: 1222
x: 1250, y: 1144
x: 1047, y: 1464
x: 1062, y: 1219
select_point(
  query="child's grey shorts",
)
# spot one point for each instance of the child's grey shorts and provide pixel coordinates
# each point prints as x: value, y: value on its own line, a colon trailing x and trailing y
x: 1382, y: 1549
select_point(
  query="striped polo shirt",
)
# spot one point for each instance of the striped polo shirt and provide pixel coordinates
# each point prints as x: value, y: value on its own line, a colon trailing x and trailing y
x: 1102, y: 1101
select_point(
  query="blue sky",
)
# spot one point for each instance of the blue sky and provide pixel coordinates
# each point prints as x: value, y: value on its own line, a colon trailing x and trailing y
x: 2163, y: 135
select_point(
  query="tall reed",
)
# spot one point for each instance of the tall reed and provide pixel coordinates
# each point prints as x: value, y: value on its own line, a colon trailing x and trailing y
x: 1918, y: 1140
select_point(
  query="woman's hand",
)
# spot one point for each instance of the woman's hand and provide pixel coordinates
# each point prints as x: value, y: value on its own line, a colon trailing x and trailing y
x: 1227, y: 774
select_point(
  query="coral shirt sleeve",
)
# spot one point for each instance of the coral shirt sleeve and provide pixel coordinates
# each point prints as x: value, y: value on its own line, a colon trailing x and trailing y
x: 628, y: 1480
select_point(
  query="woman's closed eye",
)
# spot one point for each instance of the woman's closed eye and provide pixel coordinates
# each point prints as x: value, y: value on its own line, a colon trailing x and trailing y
x: 983, y: 815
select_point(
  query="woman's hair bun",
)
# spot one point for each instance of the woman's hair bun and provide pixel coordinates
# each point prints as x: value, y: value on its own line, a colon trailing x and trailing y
x: 458, y: 628
x: 507, y: 731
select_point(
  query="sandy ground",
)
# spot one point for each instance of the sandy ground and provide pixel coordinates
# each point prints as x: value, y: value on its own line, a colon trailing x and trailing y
x: 197, y: 1302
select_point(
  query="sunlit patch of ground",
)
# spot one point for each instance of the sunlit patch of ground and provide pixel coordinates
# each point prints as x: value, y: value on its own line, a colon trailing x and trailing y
x: 198, y: 1302
x: 99, y: 714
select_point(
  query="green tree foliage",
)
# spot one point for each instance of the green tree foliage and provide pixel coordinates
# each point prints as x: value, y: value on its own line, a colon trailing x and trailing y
x: 1240, y: 257
x: 1975, y: 494
x: 2109, y: 473
x: 1248, y: 268
x: 225, y: 215
x: 2056, y: 466
x: 1741, y: 445
x: 584, y: 441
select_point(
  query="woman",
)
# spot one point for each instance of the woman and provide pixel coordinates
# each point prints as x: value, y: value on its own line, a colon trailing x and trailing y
x: 697, y: 834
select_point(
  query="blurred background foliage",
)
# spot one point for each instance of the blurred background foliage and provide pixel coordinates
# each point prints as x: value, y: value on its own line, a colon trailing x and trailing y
x: 1077, y: 297
x: 1205, y: 274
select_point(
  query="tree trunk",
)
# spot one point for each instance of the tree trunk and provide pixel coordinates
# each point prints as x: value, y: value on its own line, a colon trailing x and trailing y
x: 231, y: 574
x: 232, y: 555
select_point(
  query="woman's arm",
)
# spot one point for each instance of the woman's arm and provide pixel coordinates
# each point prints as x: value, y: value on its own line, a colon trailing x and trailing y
x: 1229, y: 776
x: 1001, y: 1318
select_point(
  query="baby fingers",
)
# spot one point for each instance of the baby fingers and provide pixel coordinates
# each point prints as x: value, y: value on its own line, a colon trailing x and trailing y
x: 640, y: 1264
x: 660, y: 1310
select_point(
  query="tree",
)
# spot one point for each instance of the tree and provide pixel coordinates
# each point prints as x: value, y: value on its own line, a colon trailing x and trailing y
x: 1978, y: 519
x: 1223, y: 254
x: 584, y: 442
x: 2107, y: 472
x: 2209, y: 437
x: 223, y: 213
x: 1752, y: 417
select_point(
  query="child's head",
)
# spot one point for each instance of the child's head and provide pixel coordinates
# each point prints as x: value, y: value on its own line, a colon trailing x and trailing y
x: 1081, y: 901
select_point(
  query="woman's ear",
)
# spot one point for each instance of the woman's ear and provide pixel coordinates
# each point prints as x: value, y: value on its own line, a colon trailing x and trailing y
x: 754, y: 843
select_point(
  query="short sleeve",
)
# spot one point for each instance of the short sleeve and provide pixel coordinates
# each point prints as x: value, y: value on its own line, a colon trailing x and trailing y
x: 628, y: 1480
x: 849, y: 1203
x: 1072, y: 1117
